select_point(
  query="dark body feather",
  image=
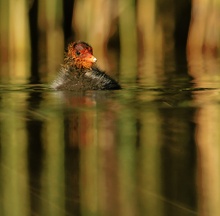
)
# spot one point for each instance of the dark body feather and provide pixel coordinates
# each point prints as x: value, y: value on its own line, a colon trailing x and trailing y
x: 71, y: 78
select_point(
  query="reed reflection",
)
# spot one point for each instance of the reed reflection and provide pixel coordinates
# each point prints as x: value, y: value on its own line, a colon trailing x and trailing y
x: 208, y: 159
x: 34, y: 128
x: 112, y: 165
x: 98, y: 153
x: 204, y: 69
x: 14, y: 193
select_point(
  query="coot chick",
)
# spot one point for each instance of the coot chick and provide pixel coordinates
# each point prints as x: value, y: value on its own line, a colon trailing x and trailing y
x: 79, y: 71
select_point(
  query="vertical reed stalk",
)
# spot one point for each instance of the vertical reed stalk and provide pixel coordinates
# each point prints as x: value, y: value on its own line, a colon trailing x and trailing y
x: 204, y: 32
x: 92, y: 22
x: 51, y: 34
x: 150, y: 35
x: 128, y: 40
x: 15, y: 42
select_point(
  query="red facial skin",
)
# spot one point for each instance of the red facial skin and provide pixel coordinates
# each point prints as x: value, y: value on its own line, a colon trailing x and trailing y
x: 80, y: 55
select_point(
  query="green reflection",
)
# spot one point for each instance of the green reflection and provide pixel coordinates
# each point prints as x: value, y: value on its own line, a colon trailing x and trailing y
x: 13, y: 160
x: 53, y: 174
x: 127, y: 163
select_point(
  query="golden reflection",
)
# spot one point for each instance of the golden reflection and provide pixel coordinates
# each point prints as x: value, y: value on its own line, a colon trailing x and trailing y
x: 205, y: 70
x: 108, y: 163
x: 98, y: 163
x: 88, y: 163
x: 208, y: 175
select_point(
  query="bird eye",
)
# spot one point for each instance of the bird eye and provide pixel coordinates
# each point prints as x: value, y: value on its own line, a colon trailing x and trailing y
x: 77, y: 53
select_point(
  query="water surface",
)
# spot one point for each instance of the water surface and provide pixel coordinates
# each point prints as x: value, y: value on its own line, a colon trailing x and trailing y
x: 151, y: 148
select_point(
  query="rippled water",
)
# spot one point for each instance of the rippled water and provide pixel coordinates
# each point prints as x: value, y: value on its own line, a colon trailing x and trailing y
x: 151, y: 148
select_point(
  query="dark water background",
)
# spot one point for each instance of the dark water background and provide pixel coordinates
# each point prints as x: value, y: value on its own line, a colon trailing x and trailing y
x: 151, y: 148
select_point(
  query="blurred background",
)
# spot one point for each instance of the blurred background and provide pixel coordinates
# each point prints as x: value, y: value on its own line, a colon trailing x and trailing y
x: 34, y: 34
x: 151, y: 148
